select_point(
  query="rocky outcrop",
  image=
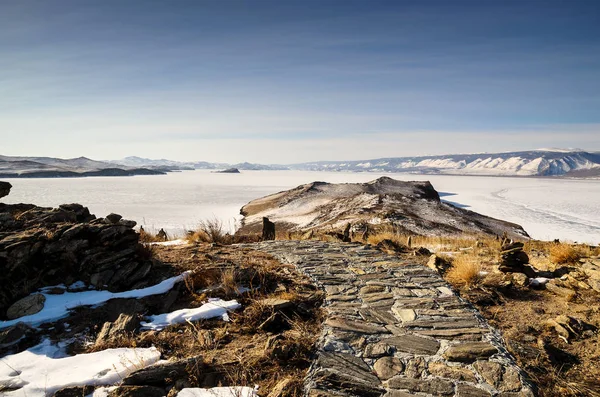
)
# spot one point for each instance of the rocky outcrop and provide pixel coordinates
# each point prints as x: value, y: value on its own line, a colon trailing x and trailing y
x: 4, y: 189
x: 45, y: 246
x: 406, y: 207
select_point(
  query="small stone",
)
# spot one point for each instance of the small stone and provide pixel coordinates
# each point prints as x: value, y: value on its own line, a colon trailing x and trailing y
x: 511, y: 381
x: 27, y: 306
x: 452, y: 372
x: 355, y: 326
x: 437, y: 387
x: 388, y: 367
x: 74, y: 391
x: 398, y: 393
x: 376, y: 350
x: 567, y: 293
x: 404, y: 315
x: 520, y: 279
x: 127, y: 223
x: 415, y: 367
x: 137, y: 391
x: 463, y: 390
x: 469, y: 352
x: 490, y: 371
x: 371, y: 289
x: 413, y: 344
x: 276, y: 303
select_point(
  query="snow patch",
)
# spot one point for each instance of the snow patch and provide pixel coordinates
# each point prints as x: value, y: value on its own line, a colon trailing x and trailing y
x: 213, y: 308
x: 42, y: 370
x: 58, y: 306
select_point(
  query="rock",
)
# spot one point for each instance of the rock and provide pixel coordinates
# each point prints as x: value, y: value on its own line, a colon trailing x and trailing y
x: 463, y: 390
x: 490, y: 371
x: 567, y: 293
x: 137, y: 391
x: 4, y: 189
x: 268, y: 231
x: 469, y: 352
x: 228, y: 171
x: 74, y: 391
x: 569, y: 327
x: 12, y: 335
x: 113, y: 218
x: 437, y: 387
x: 163, y: 374
x: 388, y: 367
x: 452, y: 372
x: 413, y: 344
x: 415, y: 367
x: 346, y: 373
x: 276, y: 303
x: 376, y: 350
x: 124, y: 324
x: 24, y: 307
x: 422, y: 251
x: 438, y: 264
x: 127, y: 223
x: 404, y: 315
x: 355, y: 326
x: 520, y: 279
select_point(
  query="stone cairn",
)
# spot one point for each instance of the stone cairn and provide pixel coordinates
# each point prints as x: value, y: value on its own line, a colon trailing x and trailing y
x: 512, y: 257
x: 268, y: 231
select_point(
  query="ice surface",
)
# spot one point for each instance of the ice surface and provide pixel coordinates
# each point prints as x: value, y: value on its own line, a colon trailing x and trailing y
x: 213, y: 308
x: 57, y: 306
x: 43, y: 369
x: 231, y: 391
x: 547, y: 208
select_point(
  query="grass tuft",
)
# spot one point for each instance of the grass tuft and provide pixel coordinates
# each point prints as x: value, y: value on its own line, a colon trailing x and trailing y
x: 564, y: 253
x: 465, y: 271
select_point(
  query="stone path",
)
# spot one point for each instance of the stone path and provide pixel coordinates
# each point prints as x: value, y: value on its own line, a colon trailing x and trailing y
x: 396, y: 329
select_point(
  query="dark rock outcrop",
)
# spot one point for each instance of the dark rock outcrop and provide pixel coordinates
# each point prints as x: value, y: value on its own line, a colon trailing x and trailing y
x: 45, y: 246
x: 4, y: 189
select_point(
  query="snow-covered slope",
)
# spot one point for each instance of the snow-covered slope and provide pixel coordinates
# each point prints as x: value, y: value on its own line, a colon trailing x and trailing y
x: 529, y: 163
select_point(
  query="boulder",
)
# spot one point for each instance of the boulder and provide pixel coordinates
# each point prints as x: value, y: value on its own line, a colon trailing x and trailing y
x: 4, y: 189
x: 113, y: 218
x: 12, y: 335
x: 24, y: 307
x: 74, y: 391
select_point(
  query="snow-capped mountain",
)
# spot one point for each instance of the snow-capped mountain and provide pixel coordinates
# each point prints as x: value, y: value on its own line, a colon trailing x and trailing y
x: 528, y: 163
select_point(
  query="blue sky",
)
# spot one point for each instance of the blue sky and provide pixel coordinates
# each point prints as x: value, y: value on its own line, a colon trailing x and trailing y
x: 288, y: 81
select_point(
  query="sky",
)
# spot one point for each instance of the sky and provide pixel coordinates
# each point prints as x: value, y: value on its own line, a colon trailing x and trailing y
x: 289, y: 81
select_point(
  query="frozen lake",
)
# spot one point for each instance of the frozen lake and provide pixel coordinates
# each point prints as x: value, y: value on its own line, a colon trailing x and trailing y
x: 546, y: 208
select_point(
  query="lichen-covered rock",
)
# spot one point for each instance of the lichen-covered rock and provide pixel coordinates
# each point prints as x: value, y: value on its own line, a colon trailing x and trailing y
x: 26, y: 306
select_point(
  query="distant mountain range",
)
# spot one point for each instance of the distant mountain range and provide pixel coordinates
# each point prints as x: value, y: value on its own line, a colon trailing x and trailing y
x: 50, y: 167
x: 543, y: 162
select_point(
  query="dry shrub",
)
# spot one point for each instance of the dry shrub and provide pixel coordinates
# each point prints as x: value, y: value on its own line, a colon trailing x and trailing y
x: 146, y: 237
x: 465, y: 271
x: 210, y: 231
x: 564, y: 253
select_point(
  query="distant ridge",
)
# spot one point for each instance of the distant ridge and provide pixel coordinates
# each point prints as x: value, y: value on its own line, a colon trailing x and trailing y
x: 526, y: 163
x: 541, y: 162
x: 50, y: 167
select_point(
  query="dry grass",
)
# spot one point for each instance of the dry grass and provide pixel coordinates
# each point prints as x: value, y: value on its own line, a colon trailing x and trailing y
x: 564, y: 253
x: 465, y: 271
x: 210, y: 231
x: 146, y: 237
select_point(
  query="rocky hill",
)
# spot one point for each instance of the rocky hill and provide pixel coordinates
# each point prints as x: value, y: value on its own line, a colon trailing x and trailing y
x: 412, y: 207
